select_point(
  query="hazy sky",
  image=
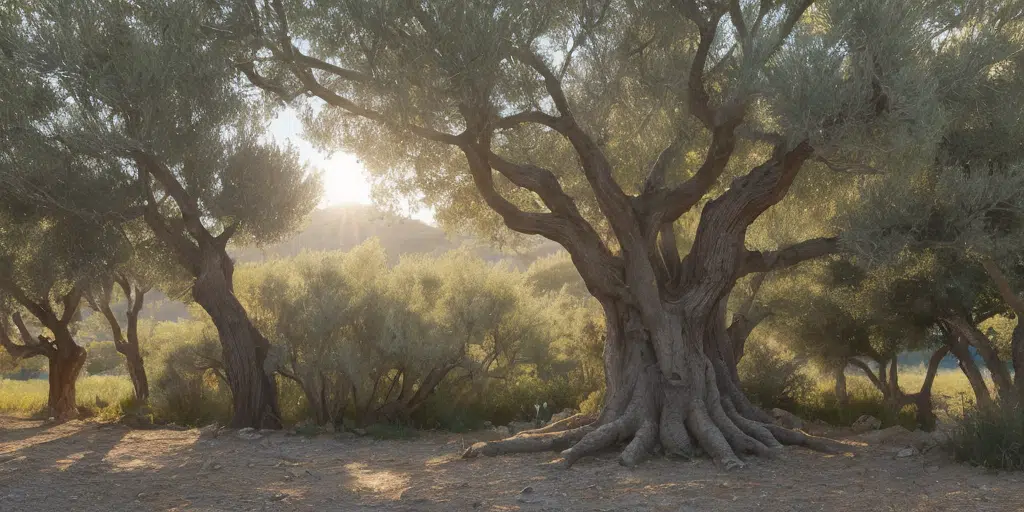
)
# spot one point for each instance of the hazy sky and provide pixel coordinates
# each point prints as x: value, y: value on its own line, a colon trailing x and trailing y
x: 345, y: 179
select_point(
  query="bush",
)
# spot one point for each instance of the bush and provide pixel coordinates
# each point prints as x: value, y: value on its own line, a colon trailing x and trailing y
x: 990, y: 437
x: 188, y: 384
x: 772, y: 378
x: 103, y: 359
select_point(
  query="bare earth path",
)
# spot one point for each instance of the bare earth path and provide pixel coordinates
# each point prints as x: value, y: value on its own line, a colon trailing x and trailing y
x: 100, y: 467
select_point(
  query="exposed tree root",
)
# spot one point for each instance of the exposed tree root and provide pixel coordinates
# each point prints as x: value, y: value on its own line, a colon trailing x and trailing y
x: 569, y: 423
x: 528, y: 443
x: 666, y: 414
x: 798, y: 438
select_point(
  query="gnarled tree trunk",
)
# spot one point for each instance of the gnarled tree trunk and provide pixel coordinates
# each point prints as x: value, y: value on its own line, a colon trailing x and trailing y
x: 243, y: 347
x: 669, y: 359
x: 126, y: 343
x: 66, y: 358
x: 66, y: 364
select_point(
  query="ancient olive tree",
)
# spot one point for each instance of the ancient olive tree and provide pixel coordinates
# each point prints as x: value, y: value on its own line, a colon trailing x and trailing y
x: 159, y: 110
x: 604, y: 126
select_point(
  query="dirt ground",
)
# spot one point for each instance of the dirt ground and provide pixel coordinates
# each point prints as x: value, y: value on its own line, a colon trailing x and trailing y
x: 86, y: 466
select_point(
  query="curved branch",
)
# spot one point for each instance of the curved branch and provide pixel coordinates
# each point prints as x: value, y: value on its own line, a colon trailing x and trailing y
x: 757, y: 261
x: 1013, y: 300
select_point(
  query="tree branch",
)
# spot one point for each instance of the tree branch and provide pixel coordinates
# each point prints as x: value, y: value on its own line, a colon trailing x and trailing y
x: 29, y: 349
x: 1013, y: 300
x: 870, y: 373
x: 757, y: 261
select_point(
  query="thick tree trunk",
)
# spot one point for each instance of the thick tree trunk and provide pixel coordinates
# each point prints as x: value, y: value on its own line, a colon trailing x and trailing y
x: 244, y: 349
x: 699, y: 408
x: 669, y: 360
x: 137, y: 373
x: 66, y: 364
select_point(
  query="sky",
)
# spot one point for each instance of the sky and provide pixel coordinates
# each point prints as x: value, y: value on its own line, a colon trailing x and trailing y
x: 346, y: 181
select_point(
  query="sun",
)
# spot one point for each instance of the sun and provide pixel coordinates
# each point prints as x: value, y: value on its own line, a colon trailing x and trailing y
x: 346, y: 180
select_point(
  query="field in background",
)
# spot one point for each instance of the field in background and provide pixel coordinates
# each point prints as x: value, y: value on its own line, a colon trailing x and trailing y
x: 951, y: 393
x: 95, y: 392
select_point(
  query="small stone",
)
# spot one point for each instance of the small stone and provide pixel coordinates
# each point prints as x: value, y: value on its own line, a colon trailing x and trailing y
x: 210, y: 431
x: 278, y: 496
x: 906, y: 452
x: 140, y: 496
x: 866, y: 423
x: 248, y: 433
x: 526, y: 490
x: 477, y: 504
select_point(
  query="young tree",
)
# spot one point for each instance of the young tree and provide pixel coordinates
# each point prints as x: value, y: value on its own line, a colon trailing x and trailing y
x: 158, y: 110
x: 543, y: 113
x: 148, y: 265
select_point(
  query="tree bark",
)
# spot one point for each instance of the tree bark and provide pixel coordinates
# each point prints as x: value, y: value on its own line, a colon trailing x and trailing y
x: 669, y: 360
x: 842, y: 396
x: 958, y: 347
x: 65, y: 366
x: 65, y: 357
x: 125, y: 342
x: 243, y: 347
x: 969, y: 333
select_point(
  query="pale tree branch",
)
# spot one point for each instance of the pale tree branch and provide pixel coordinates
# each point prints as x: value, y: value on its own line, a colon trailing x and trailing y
x: 1014, y: 301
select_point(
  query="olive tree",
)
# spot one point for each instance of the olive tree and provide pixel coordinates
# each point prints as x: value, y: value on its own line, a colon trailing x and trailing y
x: 962, y: 217
x: 159, y: 111
x: 44, y: 264
x: 606, y: 127
x: 147, y: 265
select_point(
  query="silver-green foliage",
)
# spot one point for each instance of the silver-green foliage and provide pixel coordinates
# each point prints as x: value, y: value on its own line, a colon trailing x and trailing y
x: 367, y: 339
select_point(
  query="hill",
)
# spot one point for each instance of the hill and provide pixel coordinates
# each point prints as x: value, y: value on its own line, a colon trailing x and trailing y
x: 341, y: 228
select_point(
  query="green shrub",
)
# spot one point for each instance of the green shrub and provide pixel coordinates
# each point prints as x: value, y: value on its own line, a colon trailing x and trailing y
x: 594, y: 402
x: 103, y: 359
x: 186, y: 376
x: 772, y: 378
x: 990, y: 437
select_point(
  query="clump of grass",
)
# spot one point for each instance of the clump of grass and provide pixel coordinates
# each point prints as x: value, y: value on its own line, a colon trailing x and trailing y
x: 991, y: 437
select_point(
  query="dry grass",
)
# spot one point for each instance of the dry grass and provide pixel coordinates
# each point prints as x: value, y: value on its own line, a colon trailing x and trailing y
x: 28, y: 397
